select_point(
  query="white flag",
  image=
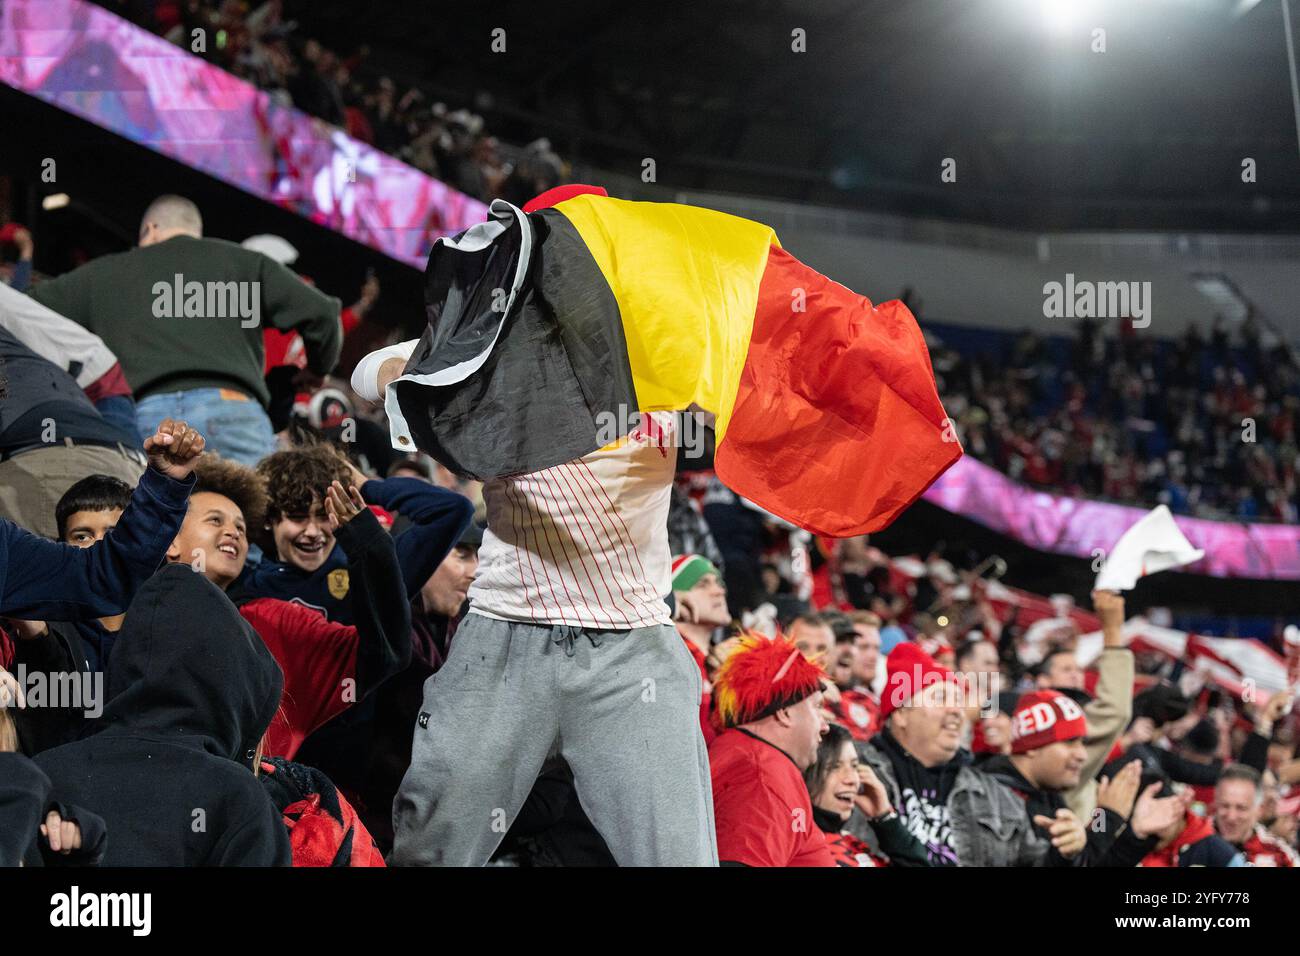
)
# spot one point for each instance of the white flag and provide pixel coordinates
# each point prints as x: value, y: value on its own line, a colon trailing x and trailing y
x: 1152, y: 544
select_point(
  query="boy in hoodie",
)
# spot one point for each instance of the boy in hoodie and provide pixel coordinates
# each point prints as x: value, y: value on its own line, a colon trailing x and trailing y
x: 192, y: 690
x: 325, y: 829
x: 311, y: 567
x: 328, y: 666
x: 85, y: 513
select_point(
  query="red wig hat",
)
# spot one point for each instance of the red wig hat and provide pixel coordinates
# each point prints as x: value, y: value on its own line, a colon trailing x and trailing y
x: 910, y: 670
x: 553, y: 197
x: 760, y: 677
x: 1045, y: 717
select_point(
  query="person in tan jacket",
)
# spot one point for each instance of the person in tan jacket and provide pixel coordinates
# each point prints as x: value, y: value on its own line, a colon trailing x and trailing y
x: 1111, y: 708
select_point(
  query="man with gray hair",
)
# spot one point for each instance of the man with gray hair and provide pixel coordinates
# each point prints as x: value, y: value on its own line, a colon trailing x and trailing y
x: 1237, y: 799
x: 185, y: 316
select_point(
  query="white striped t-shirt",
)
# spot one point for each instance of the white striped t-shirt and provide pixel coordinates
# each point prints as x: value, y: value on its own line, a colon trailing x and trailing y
x: 584, y: 543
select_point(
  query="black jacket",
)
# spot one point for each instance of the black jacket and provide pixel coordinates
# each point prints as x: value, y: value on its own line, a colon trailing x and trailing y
x: 35, y: 390
x: 24, y: 803
x: 23, y: 792
x: 191, y: 690
x: 41, y: 580
x: 1254, y: 753
x: 59, y: 657
x: 1110, y: 841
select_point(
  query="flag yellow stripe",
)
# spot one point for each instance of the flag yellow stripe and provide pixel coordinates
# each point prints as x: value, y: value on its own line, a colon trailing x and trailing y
x: 686, y: 280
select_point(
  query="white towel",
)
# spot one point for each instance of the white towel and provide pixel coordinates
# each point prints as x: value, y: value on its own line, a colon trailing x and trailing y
x: 1152, y: 544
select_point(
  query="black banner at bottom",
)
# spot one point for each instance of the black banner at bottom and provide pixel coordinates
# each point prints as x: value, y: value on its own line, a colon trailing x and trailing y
x: 333, y: 906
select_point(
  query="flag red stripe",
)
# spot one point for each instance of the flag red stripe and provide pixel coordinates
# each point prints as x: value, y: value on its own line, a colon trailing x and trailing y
x: 837, y: 424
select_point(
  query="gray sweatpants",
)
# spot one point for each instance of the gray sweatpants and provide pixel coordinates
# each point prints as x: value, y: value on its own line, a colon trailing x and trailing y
x: 622, y: 707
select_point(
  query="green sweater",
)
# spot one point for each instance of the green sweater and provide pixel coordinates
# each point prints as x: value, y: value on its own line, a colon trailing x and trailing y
x: 172, y: 334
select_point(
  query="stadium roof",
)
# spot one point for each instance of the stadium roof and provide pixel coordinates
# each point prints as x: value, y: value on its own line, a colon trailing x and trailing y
x: 1048, y: 132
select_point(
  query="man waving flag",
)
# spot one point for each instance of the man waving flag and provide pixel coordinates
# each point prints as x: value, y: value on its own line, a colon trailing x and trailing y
x: 551, y: 332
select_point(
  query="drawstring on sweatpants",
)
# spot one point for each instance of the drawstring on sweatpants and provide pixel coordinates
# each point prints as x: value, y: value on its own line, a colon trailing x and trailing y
x: 565, y: 635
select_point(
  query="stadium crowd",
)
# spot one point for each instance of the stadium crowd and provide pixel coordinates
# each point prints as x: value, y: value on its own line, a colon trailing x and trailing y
x: 260, y: 636
x: 259, y: 44
x: 1208, y: 425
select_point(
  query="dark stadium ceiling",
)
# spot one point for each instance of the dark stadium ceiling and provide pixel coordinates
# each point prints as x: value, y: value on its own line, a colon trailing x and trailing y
x: 1047, y: 133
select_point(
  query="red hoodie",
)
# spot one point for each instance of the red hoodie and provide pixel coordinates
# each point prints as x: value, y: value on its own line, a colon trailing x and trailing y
x: 319, y: 661
x: 1195, y: 830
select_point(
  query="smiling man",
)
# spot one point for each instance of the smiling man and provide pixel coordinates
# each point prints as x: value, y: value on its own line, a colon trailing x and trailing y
x: 1047, y: 758
x: 963, y: 817
x: 1237, y: 799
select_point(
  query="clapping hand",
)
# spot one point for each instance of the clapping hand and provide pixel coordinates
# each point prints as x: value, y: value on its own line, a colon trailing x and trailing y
x: 342, y: 507
x: 1120, y: 793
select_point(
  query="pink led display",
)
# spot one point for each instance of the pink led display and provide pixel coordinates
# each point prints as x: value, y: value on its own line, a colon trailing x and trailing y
x: 85, y: 60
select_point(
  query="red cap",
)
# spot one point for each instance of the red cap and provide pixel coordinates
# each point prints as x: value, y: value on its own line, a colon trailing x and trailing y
x: 910, y: 670
x: 1045, y: 717
x: 557, y: 195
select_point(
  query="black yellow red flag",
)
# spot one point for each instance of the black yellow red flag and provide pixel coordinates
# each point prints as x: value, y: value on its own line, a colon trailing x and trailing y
x: 545, y: 328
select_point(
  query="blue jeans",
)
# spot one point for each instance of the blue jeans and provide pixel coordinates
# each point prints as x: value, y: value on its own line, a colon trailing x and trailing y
x: 119, y: 410
x: 235, y: 425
